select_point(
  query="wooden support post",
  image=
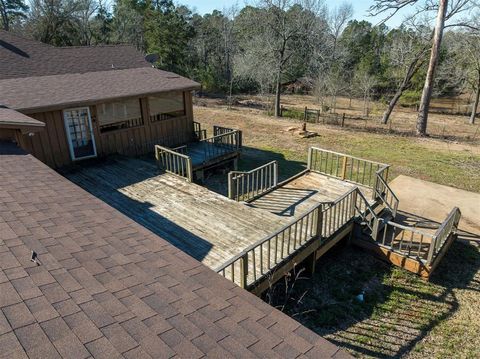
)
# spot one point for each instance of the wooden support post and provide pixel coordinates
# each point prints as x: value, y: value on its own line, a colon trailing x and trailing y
x: 318, y: 116
x: 310, y: 263
x: 343, y: 119
x: 244, y: 270
x: 305, y: 115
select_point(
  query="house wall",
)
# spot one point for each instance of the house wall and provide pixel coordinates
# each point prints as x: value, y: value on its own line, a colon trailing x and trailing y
x: 51, y: 145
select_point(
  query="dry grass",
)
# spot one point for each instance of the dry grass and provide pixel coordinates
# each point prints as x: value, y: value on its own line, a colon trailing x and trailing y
x: 402, y: 316
x: 442, y: 161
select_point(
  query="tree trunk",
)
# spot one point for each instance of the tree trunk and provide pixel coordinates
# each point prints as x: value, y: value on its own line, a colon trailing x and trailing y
x: 475, y: 103
x: 4, y: 13
x: 428, y: 87
x: 412, y: 69
x: 277, y: 94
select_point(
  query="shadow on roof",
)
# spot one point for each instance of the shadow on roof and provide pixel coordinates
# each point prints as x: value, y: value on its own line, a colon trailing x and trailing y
x: 14, y: 49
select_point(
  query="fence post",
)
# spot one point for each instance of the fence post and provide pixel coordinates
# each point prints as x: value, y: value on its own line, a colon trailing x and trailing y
x: 305, y: 115
x: 318, y: 116
x: 343, y: 119
x: 244, y: 270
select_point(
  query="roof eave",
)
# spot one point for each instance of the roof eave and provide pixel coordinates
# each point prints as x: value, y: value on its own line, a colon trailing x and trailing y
x: 89, y: 102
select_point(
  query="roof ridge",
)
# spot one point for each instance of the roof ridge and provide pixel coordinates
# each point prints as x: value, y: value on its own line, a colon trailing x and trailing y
x: 21, y: 36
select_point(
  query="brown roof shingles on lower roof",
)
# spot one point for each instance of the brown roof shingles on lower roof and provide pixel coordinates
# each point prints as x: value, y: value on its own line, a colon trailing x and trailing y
x: 30, y: 94
x: 107, y: 287
x: 13, y: 119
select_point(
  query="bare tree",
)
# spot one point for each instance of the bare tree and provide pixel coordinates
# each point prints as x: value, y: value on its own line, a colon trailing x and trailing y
x: 281, y: 29
x: 445, y: 11
x: 365, y: 83
x: 406, y: 55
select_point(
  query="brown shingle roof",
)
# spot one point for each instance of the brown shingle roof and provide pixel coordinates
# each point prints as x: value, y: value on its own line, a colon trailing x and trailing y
x: 21, y: 57
x: 13, y: 119
x: 35, y: 93
x: 34, y: 76
x: 108, y: 287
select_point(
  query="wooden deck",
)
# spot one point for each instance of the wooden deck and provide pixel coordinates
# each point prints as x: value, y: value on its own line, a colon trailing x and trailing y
x: 294, y: 198
x: 209, y: 227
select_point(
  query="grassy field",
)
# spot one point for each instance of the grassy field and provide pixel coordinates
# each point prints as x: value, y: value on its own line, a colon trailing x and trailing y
x: 402, y: 315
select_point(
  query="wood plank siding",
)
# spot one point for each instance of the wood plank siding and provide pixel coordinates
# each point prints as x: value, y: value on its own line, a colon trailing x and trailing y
x: 51, y: 145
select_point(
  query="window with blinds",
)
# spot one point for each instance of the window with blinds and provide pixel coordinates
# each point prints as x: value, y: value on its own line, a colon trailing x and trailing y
x: 120, y: 114
x: 166, y: 106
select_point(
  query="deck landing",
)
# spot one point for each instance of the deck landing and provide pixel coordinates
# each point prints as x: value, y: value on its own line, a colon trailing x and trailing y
x: 302, y: 193
x: 206, y: 225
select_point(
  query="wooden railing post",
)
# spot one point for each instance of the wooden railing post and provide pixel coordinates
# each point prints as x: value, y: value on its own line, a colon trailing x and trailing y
x: 189, y: 170
x: 344, y: 167
x: 275, y: 173
x: 376, y: 223
x: 353, y: 204
x: 230, y: 185
x: 244, y: 270
x: 431, y: 250
x: 309, y: 161
x: 320, y: 221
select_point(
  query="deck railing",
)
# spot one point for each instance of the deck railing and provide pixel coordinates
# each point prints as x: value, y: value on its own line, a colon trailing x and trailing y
x: 415, y: 243
x: 339, y: 212
x: 222, y: 144
x: 261, y: 257
x: 246, y: 185
x: 174, y: 161
x: 366, y: 214
x: 264, y: 256
x: 383, y: 191
x: 345, y: 167
x: 219, y: 130
x: 449, y: 226
x: 408, y: 241
x: 199, y: 132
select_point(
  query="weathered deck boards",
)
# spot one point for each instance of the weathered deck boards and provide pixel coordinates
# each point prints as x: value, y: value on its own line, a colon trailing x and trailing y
x: 204, y: 224
x: 201, y: 156
x: 298, y: 196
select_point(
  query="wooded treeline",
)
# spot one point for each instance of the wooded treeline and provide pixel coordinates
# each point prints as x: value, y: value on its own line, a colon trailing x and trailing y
x: 258, y: 48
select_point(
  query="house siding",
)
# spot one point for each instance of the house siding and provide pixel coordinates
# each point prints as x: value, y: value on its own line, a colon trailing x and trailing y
x: 51, y: 145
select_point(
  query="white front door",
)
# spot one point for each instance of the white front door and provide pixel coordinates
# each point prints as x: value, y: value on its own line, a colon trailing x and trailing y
x: 78, y: 125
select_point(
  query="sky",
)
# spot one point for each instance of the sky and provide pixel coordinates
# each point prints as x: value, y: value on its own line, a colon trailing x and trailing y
x: 360, y: 8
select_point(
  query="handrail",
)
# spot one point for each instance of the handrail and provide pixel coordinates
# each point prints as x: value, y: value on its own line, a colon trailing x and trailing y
x: 408, y: 241
x: 245, y: 185
x: 383, y: 191
x: 448, y: 226
x: 343, y: 166
x: 174, y: 162
x: 220, y: 145
x: 367, y: 214
x: 263, y: 256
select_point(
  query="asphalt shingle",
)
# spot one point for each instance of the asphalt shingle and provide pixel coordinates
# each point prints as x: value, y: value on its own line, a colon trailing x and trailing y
x: 94, y: 293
